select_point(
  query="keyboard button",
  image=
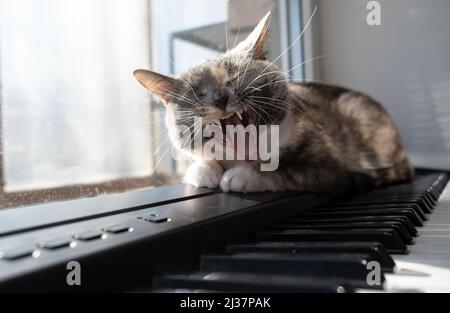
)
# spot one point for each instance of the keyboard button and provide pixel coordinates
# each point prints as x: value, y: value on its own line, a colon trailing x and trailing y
x: 155, y: 218
x: 19, y: 253
x: 117, y: 229
x: 57, y: 243
x: 90, y: 235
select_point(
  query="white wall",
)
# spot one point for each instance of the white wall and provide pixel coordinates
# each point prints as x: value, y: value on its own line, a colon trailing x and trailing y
x: 404, y: 63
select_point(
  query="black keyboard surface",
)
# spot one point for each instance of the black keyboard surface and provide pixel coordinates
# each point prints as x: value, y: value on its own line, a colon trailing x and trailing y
x: 182, y: 239
x: 325, y: 249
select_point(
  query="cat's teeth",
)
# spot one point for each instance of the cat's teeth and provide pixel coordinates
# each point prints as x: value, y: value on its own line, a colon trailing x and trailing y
x: 239, y: 115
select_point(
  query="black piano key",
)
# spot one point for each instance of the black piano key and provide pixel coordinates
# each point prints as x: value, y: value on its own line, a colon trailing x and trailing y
x: 376, y: 250
x: 422, y: 205
x: 404, y: 196
x: 312, y: 221
x: 422, y: 201
x: 397, y: 227
x: 349, y: 267
x: 408, y: 213
x: 249, y: 282
x: 430, y: 196
x: 391, y: 240
x: 416, y: 208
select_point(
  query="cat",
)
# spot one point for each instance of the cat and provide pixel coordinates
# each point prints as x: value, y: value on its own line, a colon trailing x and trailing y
x: 331, y: 139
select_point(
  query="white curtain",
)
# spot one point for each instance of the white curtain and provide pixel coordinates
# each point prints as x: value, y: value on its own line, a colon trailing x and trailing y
x: 71, y: 110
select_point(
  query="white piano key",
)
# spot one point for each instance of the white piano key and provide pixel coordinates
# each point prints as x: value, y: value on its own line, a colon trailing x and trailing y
x: 427, y: 267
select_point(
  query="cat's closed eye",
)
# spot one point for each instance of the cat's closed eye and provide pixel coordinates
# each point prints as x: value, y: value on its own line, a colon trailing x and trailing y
x: 231, y: 82
x: 199, y: 94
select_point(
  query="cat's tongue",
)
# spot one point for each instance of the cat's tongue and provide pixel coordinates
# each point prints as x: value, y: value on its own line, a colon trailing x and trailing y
x: 248, y: 118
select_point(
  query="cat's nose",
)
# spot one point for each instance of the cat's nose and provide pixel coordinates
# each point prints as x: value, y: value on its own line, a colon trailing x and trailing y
x: 221, y: 99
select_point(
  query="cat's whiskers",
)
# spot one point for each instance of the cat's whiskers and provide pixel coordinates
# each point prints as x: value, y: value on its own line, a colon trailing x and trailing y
x: 255, y: 107
x: 188, y: 138
x: 190, y: 78
x: 226, y: 34
x: 294, y: 42
x: 160, y: 159
x: 177, y: 96
x: 284, y: 73
x: 167, y: 139
x: 287, y: 111
x: 277, y: 100
x: 250, y: 59
x: 281, y: 76
x: 274, y: 81
x: 260, y: 76
x: 237, y: 36
x: 273, y: 104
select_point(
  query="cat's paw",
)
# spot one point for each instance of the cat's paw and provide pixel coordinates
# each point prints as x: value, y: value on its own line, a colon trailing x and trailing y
x: 204, y: 174
x: 243, y: 179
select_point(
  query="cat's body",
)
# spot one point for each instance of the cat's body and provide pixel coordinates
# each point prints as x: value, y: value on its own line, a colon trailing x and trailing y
x: 331, y: 139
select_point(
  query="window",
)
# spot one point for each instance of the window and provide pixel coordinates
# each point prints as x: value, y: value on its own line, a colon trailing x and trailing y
x: 74, y: 122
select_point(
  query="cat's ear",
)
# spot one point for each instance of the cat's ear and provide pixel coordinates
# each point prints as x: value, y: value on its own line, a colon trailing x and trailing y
x: 254, y: 44
x: 159, y: 85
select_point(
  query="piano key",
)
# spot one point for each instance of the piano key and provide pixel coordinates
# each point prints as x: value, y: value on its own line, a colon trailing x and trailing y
x: 249, y: 282
x: 425, y: 208
x: 391, y: 240
x: 401, y: 219
x: 350, y: 268
x: 407, y: 213
x: 427, y: 267
x: 416, y: 208
x: 398, y: 227
x: 422, y: 201
x: 377, y: 251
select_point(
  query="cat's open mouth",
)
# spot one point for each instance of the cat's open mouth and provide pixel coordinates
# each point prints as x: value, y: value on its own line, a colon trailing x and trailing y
x: 243, y: 151
x: 244, y: 117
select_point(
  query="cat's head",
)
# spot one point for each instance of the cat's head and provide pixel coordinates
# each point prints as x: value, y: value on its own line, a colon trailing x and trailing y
x: 239, y: 87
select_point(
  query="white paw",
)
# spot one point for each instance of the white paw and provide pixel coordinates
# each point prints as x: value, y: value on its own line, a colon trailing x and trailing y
x: 243, y: 179
x: 204, y: 174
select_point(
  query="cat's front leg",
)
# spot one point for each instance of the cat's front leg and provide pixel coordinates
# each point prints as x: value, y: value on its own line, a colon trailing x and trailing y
x: 248, y: 179
x: 204, y: 174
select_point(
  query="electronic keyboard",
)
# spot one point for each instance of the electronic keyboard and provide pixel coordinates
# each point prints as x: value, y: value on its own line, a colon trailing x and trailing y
x: 185, y: 239
x: 404, y: 228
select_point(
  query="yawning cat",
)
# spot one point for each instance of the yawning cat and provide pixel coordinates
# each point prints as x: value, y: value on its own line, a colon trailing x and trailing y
x: 331, y: 139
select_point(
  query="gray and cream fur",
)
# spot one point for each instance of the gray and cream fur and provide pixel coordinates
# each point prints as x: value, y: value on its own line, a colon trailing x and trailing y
x: 332, y: 139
